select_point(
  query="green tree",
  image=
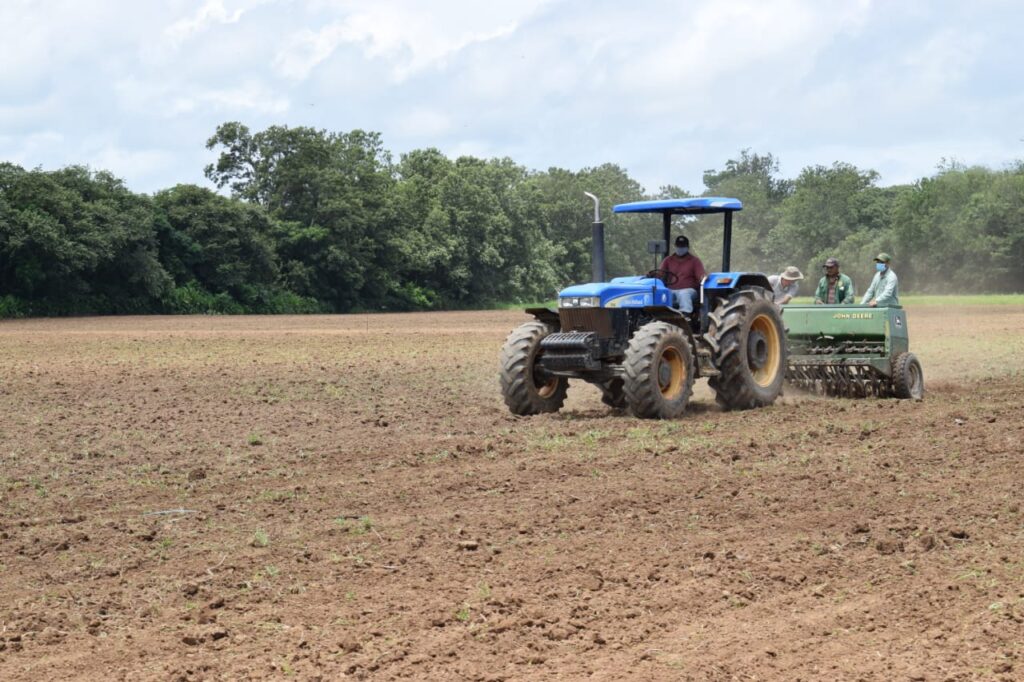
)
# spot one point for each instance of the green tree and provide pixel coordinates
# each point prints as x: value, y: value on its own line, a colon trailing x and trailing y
x: 224, y: 245
x: 77, y: 241
x: 753, y: 179
x: 962, y: 230
x: 828, y: 204
x: 330, y: 192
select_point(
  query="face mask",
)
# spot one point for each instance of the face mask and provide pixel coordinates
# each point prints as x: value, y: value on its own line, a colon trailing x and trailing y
x: 880, y: 267
x: 682, y: 250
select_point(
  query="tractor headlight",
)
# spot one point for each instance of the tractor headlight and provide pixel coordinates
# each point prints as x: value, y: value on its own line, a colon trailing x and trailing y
x: 579, y: 302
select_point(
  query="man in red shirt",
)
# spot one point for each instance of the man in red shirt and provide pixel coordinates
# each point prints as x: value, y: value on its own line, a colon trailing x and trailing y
x: 689, y: 271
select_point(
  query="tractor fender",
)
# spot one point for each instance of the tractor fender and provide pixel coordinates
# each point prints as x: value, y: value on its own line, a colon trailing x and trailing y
x: 545, y: 315
x: 753, y: 279
x: 727, y: 282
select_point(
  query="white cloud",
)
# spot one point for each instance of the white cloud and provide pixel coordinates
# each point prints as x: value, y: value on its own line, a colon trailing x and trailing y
x: 211, y: 12
x: 133, y: 163
x: 251, y: 97
x: 411, y: 35
x: 26, y: 150
x: 944, y: 58
x: 168, y: 100
x: 423, y: 123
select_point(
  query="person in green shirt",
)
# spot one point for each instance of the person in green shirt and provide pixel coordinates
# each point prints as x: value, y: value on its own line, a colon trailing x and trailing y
x: 835, y: 287
x: 885, y: 288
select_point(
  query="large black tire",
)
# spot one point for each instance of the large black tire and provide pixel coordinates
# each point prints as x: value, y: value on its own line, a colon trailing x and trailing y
x: 748, y: 342
x: 907, y: 377
x: 613, y: 393
x: 659, y: 371
x: 525, y: 390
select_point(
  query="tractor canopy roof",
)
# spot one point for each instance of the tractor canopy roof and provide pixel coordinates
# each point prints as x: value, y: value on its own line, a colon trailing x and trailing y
x: 690, y: 206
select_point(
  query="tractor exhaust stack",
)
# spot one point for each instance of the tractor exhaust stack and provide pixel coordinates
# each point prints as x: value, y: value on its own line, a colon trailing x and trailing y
x: 597, y: 271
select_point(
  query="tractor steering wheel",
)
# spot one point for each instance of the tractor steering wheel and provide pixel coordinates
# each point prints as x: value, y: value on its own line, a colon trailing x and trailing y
x: 667, y: 277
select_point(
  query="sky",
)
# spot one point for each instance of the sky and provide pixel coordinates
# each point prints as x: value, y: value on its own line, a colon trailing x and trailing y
x: 665, y: 89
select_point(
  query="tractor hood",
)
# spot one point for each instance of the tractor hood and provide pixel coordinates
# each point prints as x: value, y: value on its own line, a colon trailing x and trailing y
x: 621, y: 292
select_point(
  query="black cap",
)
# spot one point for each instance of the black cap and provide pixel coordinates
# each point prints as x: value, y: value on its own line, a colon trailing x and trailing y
x: 681, y: 240
x: 831, y: 263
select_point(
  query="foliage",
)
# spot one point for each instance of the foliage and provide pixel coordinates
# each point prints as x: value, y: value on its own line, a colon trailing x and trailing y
x: 320, y: 221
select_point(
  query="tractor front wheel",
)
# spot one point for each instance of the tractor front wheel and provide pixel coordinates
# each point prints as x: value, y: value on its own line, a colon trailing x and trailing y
x: 748, y: 340
x: 907, y: 377
x: 659, y: 371
x: 527, y: 389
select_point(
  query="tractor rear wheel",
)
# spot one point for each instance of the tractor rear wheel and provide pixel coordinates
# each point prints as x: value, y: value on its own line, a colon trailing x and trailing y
x: 748, y: 340
x: 659, y: 371
x: 527, y: 389
x: 907, y: 377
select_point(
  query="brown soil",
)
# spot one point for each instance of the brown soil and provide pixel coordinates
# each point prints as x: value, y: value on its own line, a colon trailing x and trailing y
x: 322, y: 497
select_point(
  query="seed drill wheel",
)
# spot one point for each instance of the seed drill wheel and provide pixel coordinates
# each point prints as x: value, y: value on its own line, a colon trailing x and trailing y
x: 907, y: 377
x: 746, y: 335
x: 659, y: 371
x: 525, y: 386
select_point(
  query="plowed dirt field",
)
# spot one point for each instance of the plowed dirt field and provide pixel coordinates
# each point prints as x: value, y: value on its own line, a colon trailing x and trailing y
x: 325, y: 497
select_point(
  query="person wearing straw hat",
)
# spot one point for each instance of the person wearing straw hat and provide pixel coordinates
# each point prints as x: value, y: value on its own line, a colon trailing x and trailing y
x: 786, y: 285
x: 885, y: 288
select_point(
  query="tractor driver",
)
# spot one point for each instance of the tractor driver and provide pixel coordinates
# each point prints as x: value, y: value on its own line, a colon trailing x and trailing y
x: 689, y: 271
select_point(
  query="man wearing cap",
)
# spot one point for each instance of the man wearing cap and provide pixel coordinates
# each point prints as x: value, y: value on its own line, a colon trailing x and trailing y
x: 885, y: 288
x: 835, y: 287
x: 786, y: 285
x: 689, y: 271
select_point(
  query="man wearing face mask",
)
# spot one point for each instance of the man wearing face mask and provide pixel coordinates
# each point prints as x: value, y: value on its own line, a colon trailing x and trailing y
x: 884, y: 289
x: 689, y: 271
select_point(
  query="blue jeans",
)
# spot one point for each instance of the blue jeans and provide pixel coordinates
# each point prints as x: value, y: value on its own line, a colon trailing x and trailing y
x: 684, y: 299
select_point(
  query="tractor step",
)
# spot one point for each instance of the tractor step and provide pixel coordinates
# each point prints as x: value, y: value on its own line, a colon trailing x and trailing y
x: 705, y: 364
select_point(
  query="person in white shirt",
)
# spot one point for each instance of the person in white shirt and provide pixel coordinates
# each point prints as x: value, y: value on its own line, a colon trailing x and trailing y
x: 786, y: 286
x: 885, y: 287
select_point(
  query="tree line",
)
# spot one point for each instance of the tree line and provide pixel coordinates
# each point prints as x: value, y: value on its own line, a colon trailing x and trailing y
x: 310, y: 220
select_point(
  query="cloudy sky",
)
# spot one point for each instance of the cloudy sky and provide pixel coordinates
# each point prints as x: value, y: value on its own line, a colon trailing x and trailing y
x: 664, y: 88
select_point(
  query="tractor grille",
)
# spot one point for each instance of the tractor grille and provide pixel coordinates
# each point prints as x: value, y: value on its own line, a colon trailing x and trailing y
x: 597, y: 320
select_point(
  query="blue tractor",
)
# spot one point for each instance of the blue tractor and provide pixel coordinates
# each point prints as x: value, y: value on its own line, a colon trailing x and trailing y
x: 626, y: 337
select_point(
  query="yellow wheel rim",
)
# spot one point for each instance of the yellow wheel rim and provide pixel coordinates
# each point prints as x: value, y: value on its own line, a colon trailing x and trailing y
x: 670, y: 382
x: 766, y: 374
x: 547, y: 390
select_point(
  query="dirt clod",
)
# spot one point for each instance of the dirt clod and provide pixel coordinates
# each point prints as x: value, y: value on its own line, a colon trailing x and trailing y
x: 889, y: 546
x: 350, y: 645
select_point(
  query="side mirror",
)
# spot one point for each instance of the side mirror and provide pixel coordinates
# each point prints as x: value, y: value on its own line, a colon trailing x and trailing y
x: 656, y: 246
